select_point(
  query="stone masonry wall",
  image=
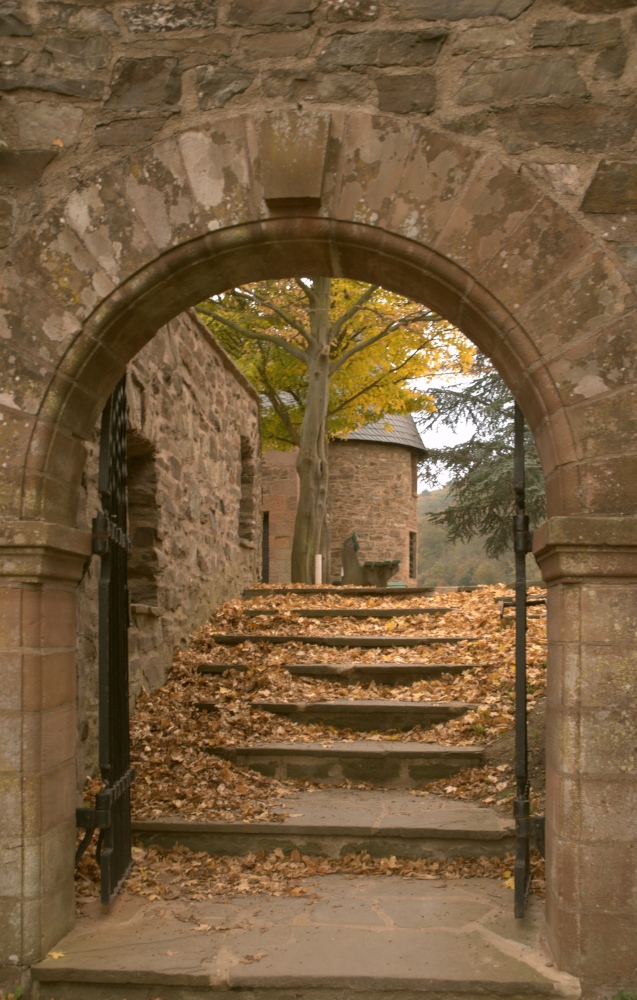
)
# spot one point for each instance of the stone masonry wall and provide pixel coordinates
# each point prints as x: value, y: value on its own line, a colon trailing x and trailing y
x: 372, y: 493
x: 195, y: 532
x: 548, y: 84
x: 280, y: 500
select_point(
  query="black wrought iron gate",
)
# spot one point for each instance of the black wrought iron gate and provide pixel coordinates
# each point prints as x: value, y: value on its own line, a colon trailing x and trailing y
x: 526, y: 826
x: 112, y: 814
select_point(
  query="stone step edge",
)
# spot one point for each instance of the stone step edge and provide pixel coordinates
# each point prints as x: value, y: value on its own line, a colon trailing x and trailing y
x: 372, y: 750
x: 364, y: 705
x: 345, y: 612
x: 282, y: 829
x: 362, y: 641
x: 343, y: 670
x: 251, y: 592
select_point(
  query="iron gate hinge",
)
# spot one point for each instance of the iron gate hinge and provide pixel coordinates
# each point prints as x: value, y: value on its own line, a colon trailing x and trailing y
x: 522, y: 535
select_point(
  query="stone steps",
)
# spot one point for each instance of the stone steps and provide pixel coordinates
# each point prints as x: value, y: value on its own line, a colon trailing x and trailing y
x: 338, y: 821
x: 347, y: 641
x: 355, y: 673
x: 345, y: 612
x: 383, y: 764
x: 366, y: 715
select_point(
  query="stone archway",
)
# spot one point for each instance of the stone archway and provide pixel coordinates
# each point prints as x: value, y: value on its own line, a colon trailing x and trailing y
x: 441, y: 222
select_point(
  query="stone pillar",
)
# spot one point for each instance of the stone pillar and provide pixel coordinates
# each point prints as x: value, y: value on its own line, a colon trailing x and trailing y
x: 590, y: 566
x: 40, y: 565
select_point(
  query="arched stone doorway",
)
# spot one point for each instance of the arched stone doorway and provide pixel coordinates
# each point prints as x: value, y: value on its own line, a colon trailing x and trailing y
x: 291, y: 194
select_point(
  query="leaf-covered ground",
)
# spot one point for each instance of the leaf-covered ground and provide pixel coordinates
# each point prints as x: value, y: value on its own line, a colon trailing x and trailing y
x: 173, y: 741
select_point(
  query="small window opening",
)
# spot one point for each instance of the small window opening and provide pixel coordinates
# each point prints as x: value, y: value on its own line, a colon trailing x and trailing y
x: 247, y: 501
x: 143, y: 521
x: 413, y: 553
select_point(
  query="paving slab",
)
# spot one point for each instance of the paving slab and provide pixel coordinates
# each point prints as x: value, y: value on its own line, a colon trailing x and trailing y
x: 380, y: 763
x: 347, y: 641
x: 367, y: 936
x: 339, y: 821
x: 356, y: 673
x: 364, y: 714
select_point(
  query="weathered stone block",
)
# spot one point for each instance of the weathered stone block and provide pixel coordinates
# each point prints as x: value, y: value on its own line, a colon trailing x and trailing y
x: 611, y: 62
x: 41, y: 123
x: 352, y: 10
x: 486, y: 39
x: 75, y: 19
x: 215, y: 87
x: 384, y: 48
x: 588, y: 127
x: 404, y: 93
x: 13, y: 55
x: 456, y: 10
x: 91, y: 90
x: 194, y: 15
x: 281, y: 13
x: 13, y: 21
x: 75, y: 54
x: 6, y: 221
x: 145, y: 83
x: 303, y: 85
x: 21, y: 169
x: 128, y: 131
x: 597, y: 6
x: 520, y: 76
x: 613, y: 188
x: 580, y: 32
x: 277, y: 44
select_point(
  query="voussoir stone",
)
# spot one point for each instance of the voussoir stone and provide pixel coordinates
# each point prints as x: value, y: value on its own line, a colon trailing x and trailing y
x: 75, y: 54
x: 489, y: 80
x: 215, y: 87
x: 613, y: 188
x: 285, y: 13
x: 145, y: 83
x: 195, y: 15
x: 579, y: 32
x: 404, y: 93
x: 456, y: 10
x: 128, y: 131
x: 384, y: 48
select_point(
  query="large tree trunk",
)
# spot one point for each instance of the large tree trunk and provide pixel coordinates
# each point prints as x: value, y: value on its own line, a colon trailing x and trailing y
x: 312, y: 463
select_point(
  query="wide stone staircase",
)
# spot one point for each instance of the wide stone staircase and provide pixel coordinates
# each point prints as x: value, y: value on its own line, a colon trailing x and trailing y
x: 359, y: 789
x: 339, y: 820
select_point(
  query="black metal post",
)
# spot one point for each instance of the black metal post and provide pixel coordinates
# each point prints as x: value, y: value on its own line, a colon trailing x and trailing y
x: 522, y: 545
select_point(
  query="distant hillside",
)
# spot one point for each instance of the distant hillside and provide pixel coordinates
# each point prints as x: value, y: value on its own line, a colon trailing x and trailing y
x: 442, y: 562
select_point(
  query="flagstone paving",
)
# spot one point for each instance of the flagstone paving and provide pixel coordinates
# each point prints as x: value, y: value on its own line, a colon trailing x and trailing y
x: 372, y: 936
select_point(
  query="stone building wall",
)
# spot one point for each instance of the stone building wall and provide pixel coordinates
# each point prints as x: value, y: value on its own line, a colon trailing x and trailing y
x: 373, y: 492
x: 280, y: 500
x: 194, y: 500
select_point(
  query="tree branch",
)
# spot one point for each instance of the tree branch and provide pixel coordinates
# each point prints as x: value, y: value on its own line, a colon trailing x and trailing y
x: 268, y: 338
x: 289, y: 320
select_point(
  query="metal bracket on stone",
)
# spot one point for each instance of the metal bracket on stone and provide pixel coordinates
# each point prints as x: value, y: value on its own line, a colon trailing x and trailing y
x: 293, y: 152
x: 99, y: 817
